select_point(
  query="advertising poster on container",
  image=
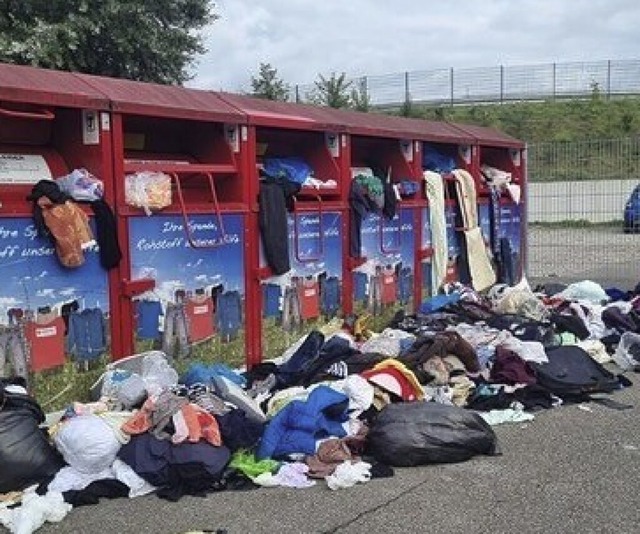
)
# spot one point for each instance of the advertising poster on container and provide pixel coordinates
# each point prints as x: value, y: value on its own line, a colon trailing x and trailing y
x: 385, y: 281
x: 484, y: 220
x: 45, y: 305
x: 510, y: 231
x: 310, y: 294
x: 426, y: 244
x: 199, y: 291
x: 451, y: 246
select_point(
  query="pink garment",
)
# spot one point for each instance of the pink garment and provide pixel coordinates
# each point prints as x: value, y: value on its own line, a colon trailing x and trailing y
x: 180, y: 426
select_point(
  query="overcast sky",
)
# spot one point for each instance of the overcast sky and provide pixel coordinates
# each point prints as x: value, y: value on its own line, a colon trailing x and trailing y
x: 302, y: 38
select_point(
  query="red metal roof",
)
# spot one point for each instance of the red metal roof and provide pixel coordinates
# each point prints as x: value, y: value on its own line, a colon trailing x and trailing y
x: 485, y: 136
x: 58, y: 88
x: 142, y: 98
x: 262, y: 112
x: 48, y: 88
x: 383, y: 125
x: 304, y: 116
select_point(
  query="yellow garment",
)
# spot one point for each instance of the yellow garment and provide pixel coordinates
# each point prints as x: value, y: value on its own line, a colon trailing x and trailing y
x: 361, y: 329
x: 411, y: 377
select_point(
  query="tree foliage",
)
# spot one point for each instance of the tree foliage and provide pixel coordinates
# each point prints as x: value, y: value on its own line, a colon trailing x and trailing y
x: 268, y: 85
x: 360, y: 99
x: 145, y: 40
x: 333, y: 91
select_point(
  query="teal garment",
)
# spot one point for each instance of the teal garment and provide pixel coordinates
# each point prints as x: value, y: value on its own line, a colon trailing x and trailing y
x: 567, y: 338
x: 374, y: 187
x: 373, y: 184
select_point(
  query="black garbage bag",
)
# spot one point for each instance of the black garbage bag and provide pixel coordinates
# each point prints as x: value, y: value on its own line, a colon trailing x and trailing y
x: 417, y: 433
x: 26, y: 454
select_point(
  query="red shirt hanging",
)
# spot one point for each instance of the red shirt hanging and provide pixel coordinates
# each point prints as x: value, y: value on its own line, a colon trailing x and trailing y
x: 389, y: 286
x: 200, y: 318
x: 309, y: 294
x: 46, y: 343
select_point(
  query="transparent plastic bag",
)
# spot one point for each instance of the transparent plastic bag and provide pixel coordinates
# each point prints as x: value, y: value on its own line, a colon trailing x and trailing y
x: 627, y: 353
x: 157, y: 373
x: 150, y: 191
x: 81, y: 185
x: 112, y: 379
x: 132, y: 391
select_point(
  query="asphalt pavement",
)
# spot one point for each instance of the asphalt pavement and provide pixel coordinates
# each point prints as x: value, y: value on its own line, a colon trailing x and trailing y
x: 573, y: 469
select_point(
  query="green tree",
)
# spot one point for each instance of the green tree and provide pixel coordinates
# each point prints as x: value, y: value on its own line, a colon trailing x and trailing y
x: 146, y: 40
x: 360, y: 96
x: 267, y: 85
x: 332, y: 91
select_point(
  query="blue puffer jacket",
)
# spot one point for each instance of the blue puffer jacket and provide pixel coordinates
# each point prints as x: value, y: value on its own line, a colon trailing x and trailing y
x: 299, y: 424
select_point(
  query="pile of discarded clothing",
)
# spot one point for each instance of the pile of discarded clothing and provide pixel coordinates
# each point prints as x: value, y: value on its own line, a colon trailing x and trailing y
x: 342, y: 406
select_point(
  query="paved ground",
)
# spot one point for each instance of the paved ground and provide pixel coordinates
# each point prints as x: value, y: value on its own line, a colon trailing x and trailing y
x: 571, y: 470
x: 603, y: 254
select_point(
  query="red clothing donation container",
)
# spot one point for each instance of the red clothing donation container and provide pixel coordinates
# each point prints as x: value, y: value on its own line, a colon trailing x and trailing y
x: 310, y: 293
x: 386, y: 272
x: 199, y: 159
x: 189, y: 253
x: 501, y: 202
x: 51, y: 123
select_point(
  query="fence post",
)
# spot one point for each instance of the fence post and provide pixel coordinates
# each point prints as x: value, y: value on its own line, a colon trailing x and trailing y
x: 451, y: 84
x: 608, y: 79
x: 553, y: 83
x: 407, y: 93
x: 501, y: 84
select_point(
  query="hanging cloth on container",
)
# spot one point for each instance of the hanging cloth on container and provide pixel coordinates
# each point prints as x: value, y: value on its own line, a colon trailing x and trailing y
x: 272, y: 218
x: 482, y: 273
x: 107, y: 234
x: 58, y: 217
x: 437, y: 220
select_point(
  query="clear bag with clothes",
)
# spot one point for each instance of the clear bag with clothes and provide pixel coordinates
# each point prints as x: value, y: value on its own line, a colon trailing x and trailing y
x: 81, y: 185
x: 150, y: 191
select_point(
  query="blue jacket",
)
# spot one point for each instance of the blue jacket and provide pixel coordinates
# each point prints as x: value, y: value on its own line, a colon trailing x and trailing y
x: 297, y: 427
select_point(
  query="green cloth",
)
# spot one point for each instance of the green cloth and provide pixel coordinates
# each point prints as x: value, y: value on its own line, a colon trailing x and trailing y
x: 246, y: 463
x: 373, y: 184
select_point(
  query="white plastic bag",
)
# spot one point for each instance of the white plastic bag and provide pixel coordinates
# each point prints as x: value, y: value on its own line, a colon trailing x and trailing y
x: 157, y: 373
x: 627, y: 353
x: 150, y: 191
x: 87, y: 443
x: 81, y: 185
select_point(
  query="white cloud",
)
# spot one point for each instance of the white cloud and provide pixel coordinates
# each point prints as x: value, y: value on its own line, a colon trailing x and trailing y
x: 67, y: 292
x: 302, y: 38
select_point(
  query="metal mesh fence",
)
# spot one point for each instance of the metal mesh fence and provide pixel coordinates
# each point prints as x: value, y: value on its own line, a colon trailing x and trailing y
x: 495, y: 84
x: 576, y: 211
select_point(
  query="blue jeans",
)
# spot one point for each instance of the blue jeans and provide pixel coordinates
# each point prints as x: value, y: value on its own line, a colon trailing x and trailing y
x: 175, y: 331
